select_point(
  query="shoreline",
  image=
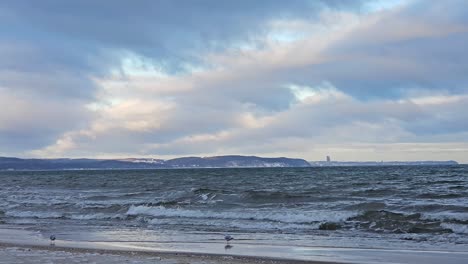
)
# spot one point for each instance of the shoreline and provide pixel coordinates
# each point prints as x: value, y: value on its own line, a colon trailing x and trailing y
x: 338, y: 165
x: 178, y: 256
x: 27, y: 246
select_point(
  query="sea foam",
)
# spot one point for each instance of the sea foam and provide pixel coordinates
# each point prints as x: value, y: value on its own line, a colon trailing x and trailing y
x: 284, y: 216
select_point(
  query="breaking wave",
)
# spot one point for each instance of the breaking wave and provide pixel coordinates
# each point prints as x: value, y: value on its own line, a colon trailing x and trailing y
x: 284, y: 217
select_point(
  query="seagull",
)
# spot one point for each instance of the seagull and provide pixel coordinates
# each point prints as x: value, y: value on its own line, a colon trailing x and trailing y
x: 228, y: 238
x: 52, y: 239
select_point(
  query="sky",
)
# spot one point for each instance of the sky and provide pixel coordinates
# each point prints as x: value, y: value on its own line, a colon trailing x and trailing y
x: 355, y: 80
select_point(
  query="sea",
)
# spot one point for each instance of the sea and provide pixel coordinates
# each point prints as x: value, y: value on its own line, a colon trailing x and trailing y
x: 394, y: 207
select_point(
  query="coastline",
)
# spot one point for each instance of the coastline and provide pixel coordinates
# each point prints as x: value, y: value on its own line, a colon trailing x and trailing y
x: 26, y: 246
x: 23, y: 246
x: 134, y: 256
x: 366, y: 216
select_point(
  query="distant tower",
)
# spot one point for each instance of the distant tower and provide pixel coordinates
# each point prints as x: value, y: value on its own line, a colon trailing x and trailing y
x: 328, y: 159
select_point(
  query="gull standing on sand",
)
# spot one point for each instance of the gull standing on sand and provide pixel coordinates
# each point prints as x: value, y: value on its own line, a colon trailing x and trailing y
x: 228, y: 238
x: 52, y: 239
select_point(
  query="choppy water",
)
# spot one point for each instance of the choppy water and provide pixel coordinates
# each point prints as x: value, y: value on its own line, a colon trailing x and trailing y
x: 416, y: 207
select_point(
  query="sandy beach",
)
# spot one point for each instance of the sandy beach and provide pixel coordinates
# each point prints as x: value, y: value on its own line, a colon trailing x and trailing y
x: 16, y: 253
x: 23, y: 246
x: 11, y: 253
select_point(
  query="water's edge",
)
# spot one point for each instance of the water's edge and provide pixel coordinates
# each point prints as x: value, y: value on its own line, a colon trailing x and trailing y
x: 248, y: 253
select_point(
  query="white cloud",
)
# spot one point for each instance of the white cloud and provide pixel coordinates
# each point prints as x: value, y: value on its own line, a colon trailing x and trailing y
x: 305, y: 88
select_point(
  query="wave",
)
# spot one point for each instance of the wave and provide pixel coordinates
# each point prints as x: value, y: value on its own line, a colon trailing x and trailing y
x: 208, y: 190
x: 456, y: 228
x: 33, y: 214
x: 451, y: 217
x: 442, y: 195
x: 250, y: 195
x: 374, y: 192
x: 383, y: 214
x: 273, y: 195
x: 284, y: 216
x: 98, y: 216
x: 57, y: 215
x: 365, y: 206
x: 397, y: 222
x: 239, y: 224
x: 446, y: 182
x: 401, y: 216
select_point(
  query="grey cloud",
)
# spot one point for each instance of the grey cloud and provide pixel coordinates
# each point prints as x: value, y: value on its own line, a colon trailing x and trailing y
x: 28, y: 122
x: 420, y: 46
x: 443, y: 119
x: 52, y: 49
x: 339, y: 120
x: 171, y: 31
x: 331, y: 121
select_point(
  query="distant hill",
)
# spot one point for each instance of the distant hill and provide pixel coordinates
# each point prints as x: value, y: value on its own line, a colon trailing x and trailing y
x: 233, y: 161
x: 379, y: 163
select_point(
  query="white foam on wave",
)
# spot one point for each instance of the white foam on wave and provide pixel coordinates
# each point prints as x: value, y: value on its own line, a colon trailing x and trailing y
x: 284, y: 216
x: 456, y: 228
x: 104, y: 204
x: 97, y: 216
x: 32, y: 214
x: 204, y: 196
x: 50, y: 215
x: 37, y: 200
x: 238, y: 223
x: 446, y: 216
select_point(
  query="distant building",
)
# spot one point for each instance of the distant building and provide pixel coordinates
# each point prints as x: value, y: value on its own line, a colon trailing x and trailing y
x: 328, y: 159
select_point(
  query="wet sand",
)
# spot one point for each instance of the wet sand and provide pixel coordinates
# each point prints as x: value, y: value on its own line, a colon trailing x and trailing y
x: 25, y: 246
x: 11, y: 253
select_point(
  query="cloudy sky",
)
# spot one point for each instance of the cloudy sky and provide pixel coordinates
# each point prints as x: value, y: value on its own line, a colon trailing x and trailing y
x: 356, y: 80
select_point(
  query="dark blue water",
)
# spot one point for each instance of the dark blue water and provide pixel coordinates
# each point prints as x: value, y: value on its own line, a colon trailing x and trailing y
x: 419, y: 207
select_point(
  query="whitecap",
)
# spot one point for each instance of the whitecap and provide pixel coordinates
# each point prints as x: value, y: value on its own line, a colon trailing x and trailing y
x: 284, y: 216
x: 456, y: 228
